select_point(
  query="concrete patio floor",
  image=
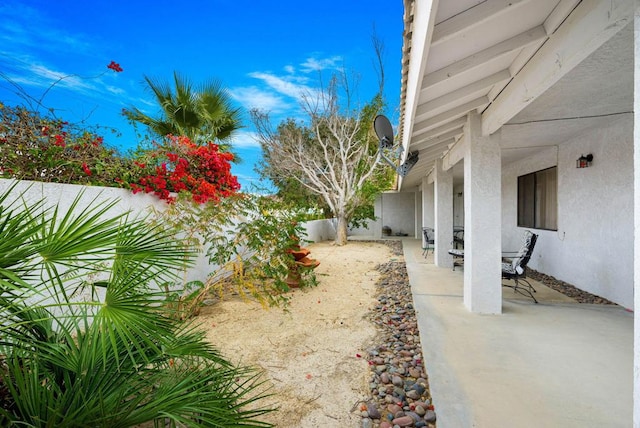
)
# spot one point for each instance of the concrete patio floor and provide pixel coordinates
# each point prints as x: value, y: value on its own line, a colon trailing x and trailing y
x: 553, y: 364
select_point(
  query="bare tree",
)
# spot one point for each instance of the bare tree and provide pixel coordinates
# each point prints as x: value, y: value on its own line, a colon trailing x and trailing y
x: 332, y: 156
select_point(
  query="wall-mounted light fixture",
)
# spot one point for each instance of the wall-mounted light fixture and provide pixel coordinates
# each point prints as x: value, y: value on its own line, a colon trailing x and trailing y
x: 584, y: 161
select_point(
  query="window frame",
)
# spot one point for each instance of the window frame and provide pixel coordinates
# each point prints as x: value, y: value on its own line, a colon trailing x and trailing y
x: 527, y: 205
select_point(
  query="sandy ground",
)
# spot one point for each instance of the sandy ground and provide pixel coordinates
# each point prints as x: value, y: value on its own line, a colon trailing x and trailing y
x: 313, y: 354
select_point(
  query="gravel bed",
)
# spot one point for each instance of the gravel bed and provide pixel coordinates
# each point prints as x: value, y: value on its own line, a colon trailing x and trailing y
x: 567, y: 289
x: 398, y: 384
x: 399, y: 387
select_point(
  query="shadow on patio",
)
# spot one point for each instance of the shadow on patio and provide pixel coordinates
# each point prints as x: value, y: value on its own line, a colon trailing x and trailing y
x: 555, y: 364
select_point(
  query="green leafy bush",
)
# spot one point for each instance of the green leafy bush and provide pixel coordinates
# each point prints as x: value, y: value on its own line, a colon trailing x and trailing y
x: 40, y: 148
x: 248, y: 238
x: 86, y: 339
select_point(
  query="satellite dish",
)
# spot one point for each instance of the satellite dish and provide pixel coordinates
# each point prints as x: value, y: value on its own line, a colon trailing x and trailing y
x: 384, y: 131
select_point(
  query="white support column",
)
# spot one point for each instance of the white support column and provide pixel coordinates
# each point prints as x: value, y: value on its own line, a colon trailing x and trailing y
x: 418, y: 215
x: 482, y: 220
x: 636, y: 198
x: 377, y: 212
x: 428, y: 206
x: 443, y: 215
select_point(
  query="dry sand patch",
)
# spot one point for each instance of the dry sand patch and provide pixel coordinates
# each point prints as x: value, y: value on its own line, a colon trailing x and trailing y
x: 314, y: 353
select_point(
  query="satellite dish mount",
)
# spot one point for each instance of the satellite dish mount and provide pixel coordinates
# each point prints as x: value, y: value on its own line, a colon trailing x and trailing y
x: 384, y: 131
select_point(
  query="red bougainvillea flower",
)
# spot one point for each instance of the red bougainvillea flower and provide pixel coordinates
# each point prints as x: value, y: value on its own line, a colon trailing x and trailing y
x: 114, y: 66
x: 59, y: 141
x: 85, y: 168
x: 202, y: 171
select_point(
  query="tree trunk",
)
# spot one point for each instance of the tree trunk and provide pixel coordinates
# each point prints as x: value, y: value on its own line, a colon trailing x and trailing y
x: 341, y: 231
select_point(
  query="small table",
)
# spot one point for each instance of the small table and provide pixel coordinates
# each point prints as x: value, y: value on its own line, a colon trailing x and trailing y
x: 458, y: 257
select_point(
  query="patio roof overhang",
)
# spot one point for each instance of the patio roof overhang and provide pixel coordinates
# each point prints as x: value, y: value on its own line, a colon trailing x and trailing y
x: 531, y: 68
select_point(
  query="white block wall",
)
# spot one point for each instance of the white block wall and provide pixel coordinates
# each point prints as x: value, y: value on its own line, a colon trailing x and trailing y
x: 139, y: 205
x: 593, y: 247
x: 319, y: 230
x: 64, y: 194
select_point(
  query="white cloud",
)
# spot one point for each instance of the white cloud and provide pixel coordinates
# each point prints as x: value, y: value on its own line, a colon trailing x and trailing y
x: 319, y: 64
x: 47, y: 79
x: 58, y: 78
x: 252, y: 97
x: 38, y: 81
x: 283, y: 85
x: 17, y: 24
x: 281, y: 94
x: 24, y: 48
x: 115, y: 90
x: 245, y: 139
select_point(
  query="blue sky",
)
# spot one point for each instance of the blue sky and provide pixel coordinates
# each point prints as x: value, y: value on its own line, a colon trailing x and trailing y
x: 265, y: 53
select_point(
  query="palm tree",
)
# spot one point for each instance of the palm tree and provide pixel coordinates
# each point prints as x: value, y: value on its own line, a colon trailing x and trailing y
x: 85, y: 337
x: 203, y: 113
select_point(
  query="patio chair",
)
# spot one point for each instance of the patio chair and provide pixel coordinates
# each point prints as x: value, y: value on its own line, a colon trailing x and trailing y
x: 429, y: 240
x: 458, y: 257
x: 516, y: 268
x: 457, y: 252
x: 458, y: 237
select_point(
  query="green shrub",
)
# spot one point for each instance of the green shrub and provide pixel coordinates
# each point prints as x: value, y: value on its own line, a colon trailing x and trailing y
x: 86, y: 339
x: 248, y: 238
x: 40, y: 148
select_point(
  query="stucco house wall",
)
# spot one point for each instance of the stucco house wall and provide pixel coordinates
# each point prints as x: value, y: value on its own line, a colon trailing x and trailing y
x: 593, y: 246
x: 398, y: 212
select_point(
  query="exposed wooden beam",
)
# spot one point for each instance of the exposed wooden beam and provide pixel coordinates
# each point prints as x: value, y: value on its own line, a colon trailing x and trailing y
x: 456, y: 123
x: 590, y: 24
x: 436, y: 140
x: 417, y: 173
x: 427, y: 158
x: 471, y: 17
x: 559, y: 14
x: 437, y: 150
x: 472, y: 88
x: 431, y: 176
x: 455, y: 154
x: 517, y: 42
x: 551, y: 24
x: 454, y: 113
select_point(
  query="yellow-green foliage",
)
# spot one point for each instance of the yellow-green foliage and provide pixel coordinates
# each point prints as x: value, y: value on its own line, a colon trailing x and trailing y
x: 246, y: 239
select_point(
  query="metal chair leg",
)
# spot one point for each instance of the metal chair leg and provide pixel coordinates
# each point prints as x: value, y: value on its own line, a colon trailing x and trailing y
x: 525, y: 291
